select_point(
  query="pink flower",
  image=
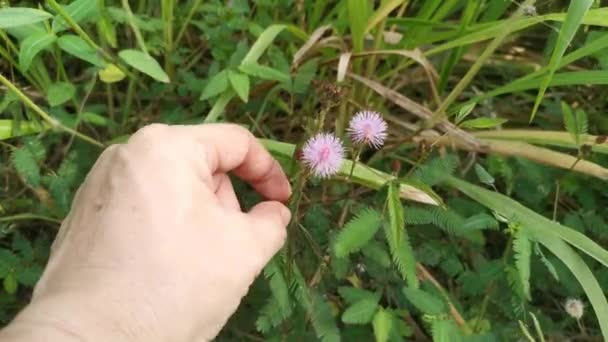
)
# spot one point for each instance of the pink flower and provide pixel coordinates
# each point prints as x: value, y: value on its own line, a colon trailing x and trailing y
x: 323, y: 153
x: 368, y: 127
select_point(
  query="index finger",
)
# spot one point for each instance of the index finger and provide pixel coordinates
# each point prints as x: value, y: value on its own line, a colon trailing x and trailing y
x: 230, y: 147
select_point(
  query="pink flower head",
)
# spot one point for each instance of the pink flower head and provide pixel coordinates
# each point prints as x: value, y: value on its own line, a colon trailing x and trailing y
x: 323, y: 153
x: 368, y: 127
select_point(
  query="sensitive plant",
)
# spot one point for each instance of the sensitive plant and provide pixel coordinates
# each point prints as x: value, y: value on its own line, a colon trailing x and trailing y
x: 466, y: 223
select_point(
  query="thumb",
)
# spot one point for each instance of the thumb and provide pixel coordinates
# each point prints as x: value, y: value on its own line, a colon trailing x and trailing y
x: 269, y: 222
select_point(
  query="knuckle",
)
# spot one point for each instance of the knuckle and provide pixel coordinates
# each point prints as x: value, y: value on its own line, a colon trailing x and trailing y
x: 150, y: 133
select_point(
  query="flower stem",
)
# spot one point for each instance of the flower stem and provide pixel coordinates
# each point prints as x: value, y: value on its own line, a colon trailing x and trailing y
x: 46, y: 117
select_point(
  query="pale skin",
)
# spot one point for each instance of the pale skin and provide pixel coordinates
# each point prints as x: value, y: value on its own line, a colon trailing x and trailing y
x: 156, y: 246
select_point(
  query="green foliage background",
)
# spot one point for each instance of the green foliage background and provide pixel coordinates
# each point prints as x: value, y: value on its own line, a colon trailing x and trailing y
x: 482, y: 214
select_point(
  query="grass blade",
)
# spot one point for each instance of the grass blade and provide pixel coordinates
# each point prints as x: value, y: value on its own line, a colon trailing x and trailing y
x: 262, y: 43
x: 381, y: 13
x: 574, y: 17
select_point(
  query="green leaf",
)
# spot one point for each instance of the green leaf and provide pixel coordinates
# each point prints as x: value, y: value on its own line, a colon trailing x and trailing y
x: 77, y: 47
x: 483, y: 175
x: 262, y: 43
x: 545, y: 261
x: 10, y: 283
x: 550, y: 234
x: 77, y: 11
x: 144, y: 63
x: 8, y: 261
x: 574, y: 17
x: 360, y: 312
x: 59, y: 93
x: 445, y: 331
x: 19, y: 16
x: 464, y: 111
x: 358, y: 14
x: 278, y: 285
x: 240, y: 84
x: 424, y: 301
x: 354, y: 295
x: 381, y: 13
x: 382, y: 323
x: 10, y: 129
x: 357, y: 232
x: 585, y: 277
x: 523, y: 252
x: 398, y: 240
x: 217, y: 85
x: 25, y: 162
x: 575, y: 123
x: 28, y: 276
x: 31, y: 46
x: 264, y: 72
x: 481, y: 123
x: 111, y: 74
x: 536, y: 224
x: 374, y: 251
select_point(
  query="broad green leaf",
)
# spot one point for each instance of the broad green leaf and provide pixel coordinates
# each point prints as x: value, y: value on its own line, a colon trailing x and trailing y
x: 481, y: 123
x: 424, y: 301
x: 7, y: 128
x: 381, y: 13
x: 77, y: 47
x: 445, y: 330
x: 10, y: 283
x: 144, y: 63
x: 111, y: 74
x: 357, y: 232
x: 31, y: 46
x: 217, y: 85
x: 544, y: 137
x: 240, y: 84
x: 264, y: 72
x: 537, y: 225
x: 583, y: 274
x: 95, y: 119
x: 360, y: 312
x: 593, y: 77
x: 8, y: 261
x: 574, y: 17
x: 358, y: 14
x: 382, y: 324
x: 19, y: 16
x: 59, y: 93
x: 28, y: 276
x: 77, y: 11
x: 464, y: 111
x: 262, y: 43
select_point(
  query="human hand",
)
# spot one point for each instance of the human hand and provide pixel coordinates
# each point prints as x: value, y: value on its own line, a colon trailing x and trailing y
x: 156, y: 247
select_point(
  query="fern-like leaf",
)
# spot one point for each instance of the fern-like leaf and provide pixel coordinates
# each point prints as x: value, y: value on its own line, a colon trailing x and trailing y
x: 352, y: 295
x: 316, y: 307
x: 445, y: 331
x: 523, y: 252
x: 361, y: 312
x: 480, y: 221
x: 403, y: 256
x: 575, y: 122
x: 382, y: 324
x: 483, y: 175
x: 424, y: 301
x: 357, y: 232
x: 376, y: 252
x: 436, y: 170
x: 278, y: 285
x: 270, y: 316
x: 25, y: 161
